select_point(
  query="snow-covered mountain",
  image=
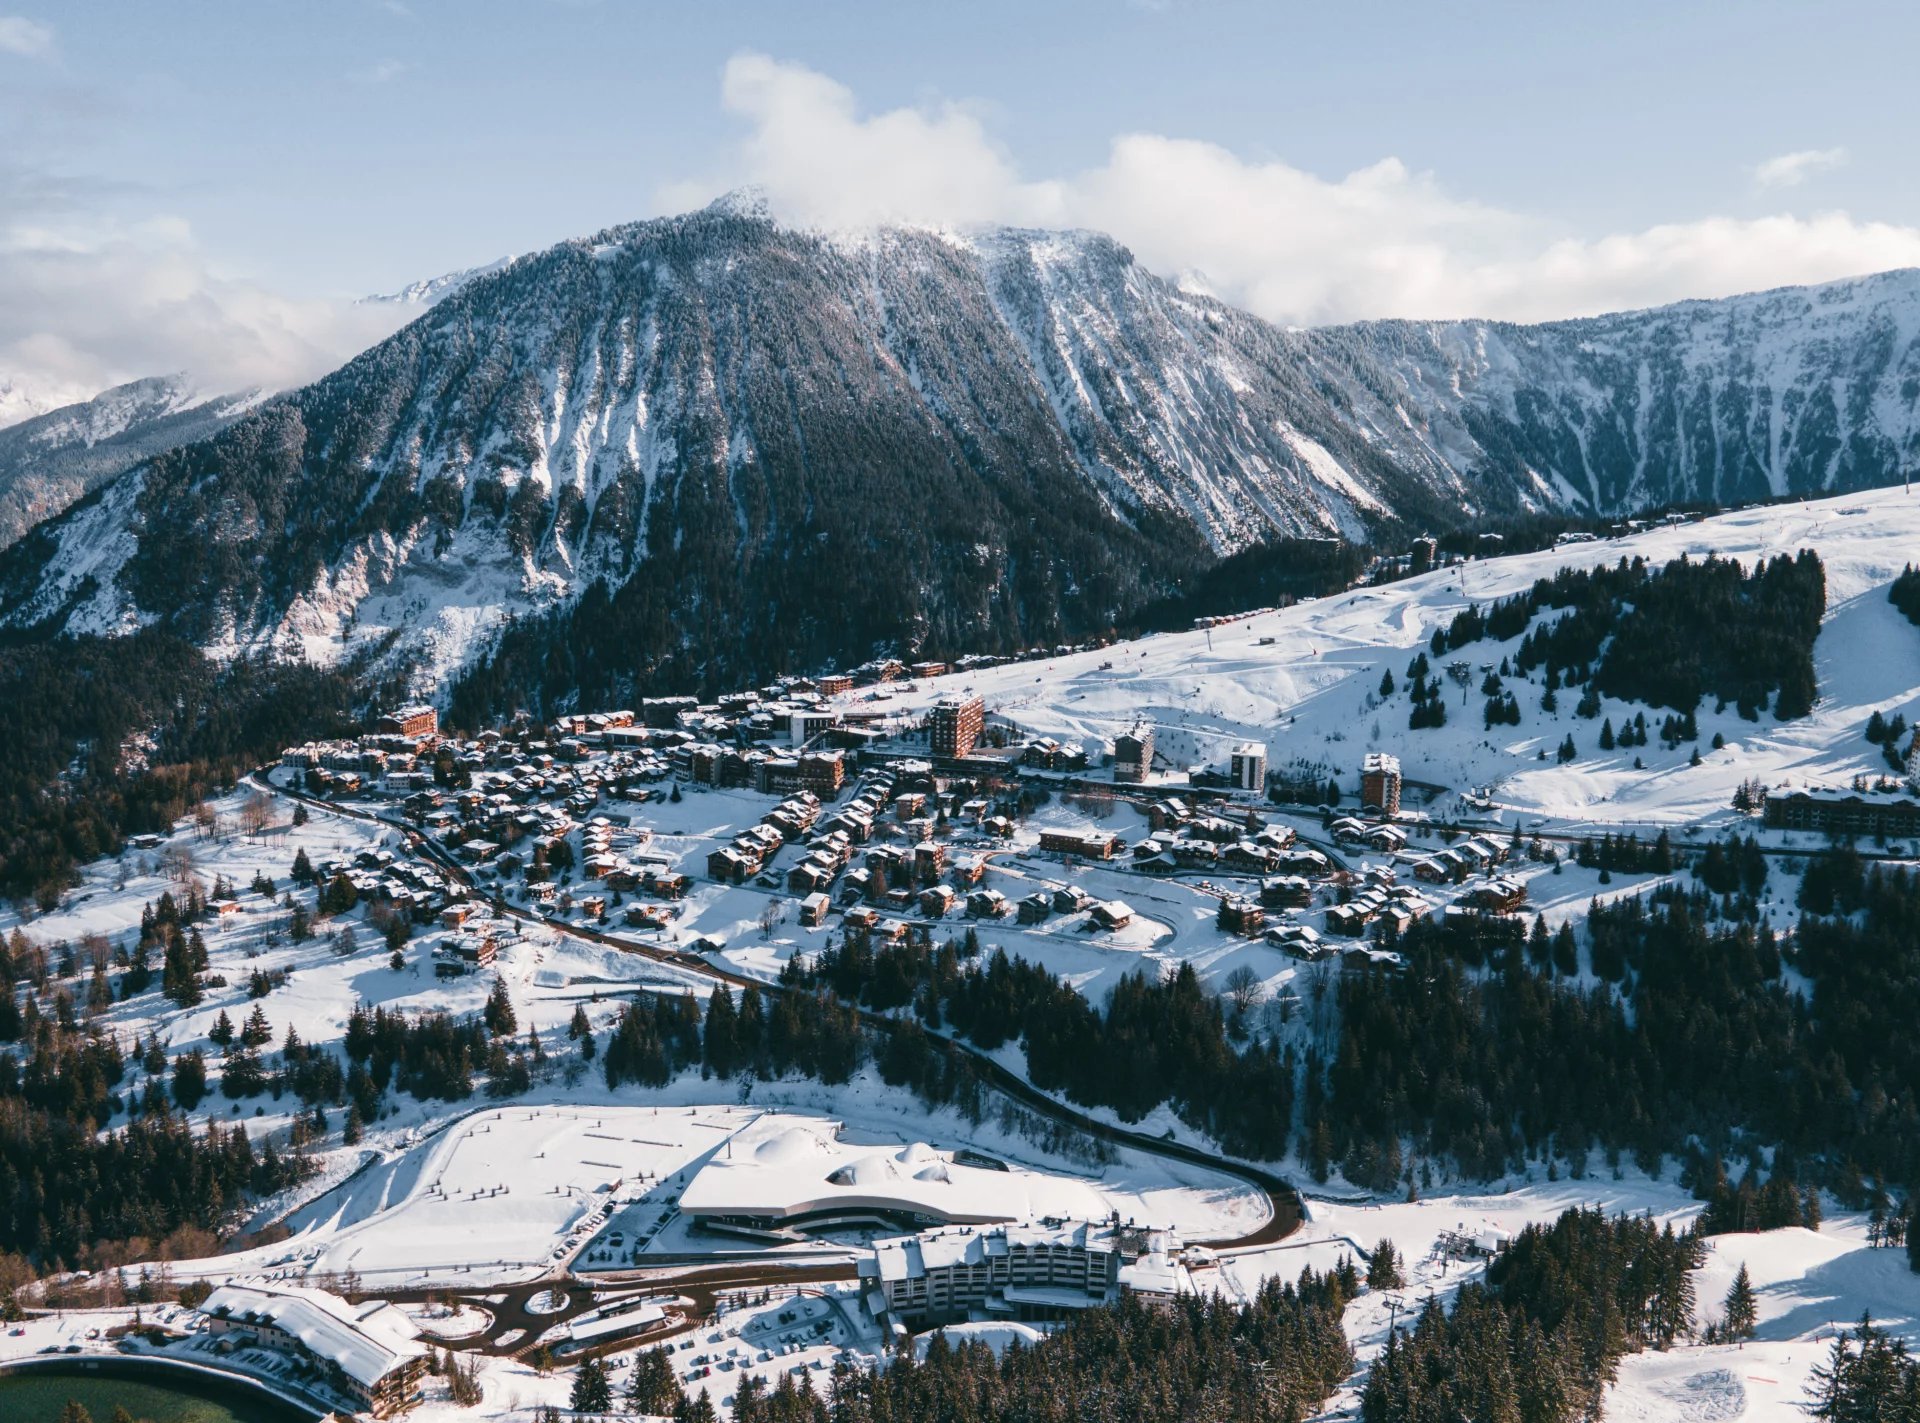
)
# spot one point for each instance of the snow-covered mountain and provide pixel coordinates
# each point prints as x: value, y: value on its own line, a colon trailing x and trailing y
x: 47, y: 461
x: 21, y: 399
x: 431, y: 291
x: 1802, y: 390
x: 708, y: 445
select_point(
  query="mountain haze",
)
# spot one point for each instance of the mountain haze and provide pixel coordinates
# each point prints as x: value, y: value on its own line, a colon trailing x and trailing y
x: 711, y: 447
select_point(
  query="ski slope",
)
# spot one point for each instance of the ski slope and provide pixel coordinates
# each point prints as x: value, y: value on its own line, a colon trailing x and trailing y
x: 1305, y: 680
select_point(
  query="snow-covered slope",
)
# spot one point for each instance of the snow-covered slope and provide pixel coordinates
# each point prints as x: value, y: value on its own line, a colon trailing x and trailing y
x: 768, y: 444
x: 707, y: 447
x: 1800, y: 390
x: 50, y: 459
x: 429, y: 292
x: 1306, y: 680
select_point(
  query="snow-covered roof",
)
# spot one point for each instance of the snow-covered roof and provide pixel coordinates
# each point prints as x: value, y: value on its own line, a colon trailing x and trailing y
x: 784, y: 1166
x: 367, y: 1341
x: 907, y: 1257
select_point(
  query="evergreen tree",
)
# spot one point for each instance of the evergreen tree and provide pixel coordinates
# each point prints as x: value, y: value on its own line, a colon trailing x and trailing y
x: 592, y: 1392
x: 1383, y: 1269
x: 189, y: 1079
x: 498, y: 1013
x: 1742, y: 1314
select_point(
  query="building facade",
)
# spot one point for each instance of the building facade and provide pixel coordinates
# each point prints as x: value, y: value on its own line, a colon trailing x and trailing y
x: 368, y: 1354
x: 1380, y: 783
x: 1248, y: 768
x: 1015, y: 1271
x: 1844, y: 813
x: 1133, y: 754
x: 954, y: 725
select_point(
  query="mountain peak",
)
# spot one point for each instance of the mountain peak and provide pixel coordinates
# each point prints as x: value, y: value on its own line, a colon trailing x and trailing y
x: 749, y: 201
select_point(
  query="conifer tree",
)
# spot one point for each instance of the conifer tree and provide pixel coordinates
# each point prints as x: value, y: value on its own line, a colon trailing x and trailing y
x: 1383, y: 1269
x: 498, y: 1014
x: 592, y: 1392
x: 1742, y: 1314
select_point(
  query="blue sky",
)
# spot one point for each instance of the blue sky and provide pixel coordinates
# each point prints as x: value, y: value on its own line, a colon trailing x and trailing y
x: 230, y: 169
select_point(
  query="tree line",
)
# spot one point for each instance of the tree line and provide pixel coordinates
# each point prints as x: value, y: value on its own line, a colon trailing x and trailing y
x: 1668, y: 636
x: 1538, y: 1340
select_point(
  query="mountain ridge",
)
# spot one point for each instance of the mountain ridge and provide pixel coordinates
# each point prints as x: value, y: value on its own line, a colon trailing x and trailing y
x: 711, y: 445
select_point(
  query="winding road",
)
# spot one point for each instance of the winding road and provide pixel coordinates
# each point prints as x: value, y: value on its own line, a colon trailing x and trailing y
x: 700, y: 1284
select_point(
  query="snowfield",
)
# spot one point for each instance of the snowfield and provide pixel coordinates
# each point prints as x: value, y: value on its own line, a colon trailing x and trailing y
x: 1305, y: 680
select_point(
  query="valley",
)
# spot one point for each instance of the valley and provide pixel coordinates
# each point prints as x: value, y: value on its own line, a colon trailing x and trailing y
x: 647, y: 919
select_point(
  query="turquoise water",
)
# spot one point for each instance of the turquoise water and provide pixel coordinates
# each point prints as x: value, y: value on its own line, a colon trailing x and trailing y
x: 38, y: 1396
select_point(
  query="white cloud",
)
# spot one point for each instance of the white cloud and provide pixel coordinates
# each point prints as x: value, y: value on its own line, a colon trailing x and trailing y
x: 84, y: 308
x: 1790, y: 170
x: 824, y: 164
x: 19, y: 35
x: 1286, y: 243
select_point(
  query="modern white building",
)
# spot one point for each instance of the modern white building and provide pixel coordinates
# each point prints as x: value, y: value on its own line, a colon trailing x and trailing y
x: 1012, y: 1271
x: 1249, y: 767
x: 784, y: 1177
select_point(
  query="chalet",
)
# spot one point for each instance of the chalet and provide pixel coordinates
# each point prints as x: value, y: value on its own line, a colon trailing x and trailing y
x: 1035, y: 908
x: 1504, y: 895
x: 1347, y: 830
x: 1218, y: 829
x: 1388, y: 839
x: 813, y: 911
x: 1080, y: 844
x: 1248, y: 856
x: 1168, y: 813
x: 664, y: 884
x: 810, y: 876
x: 986, y: 904
x: 1286, y: 892
x: 1489, y: 851
x: 648, y: 916
x: 1070, y: 899
x: 1442, y: 867
x: 1191, y: 854
x: 1299, y: 861
x: 1244, y: 917
x: 1297, y: 939
x: 1280, y: 837
x: 1111, y: 914
x: 937, y: 899
x: 464, y: 953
